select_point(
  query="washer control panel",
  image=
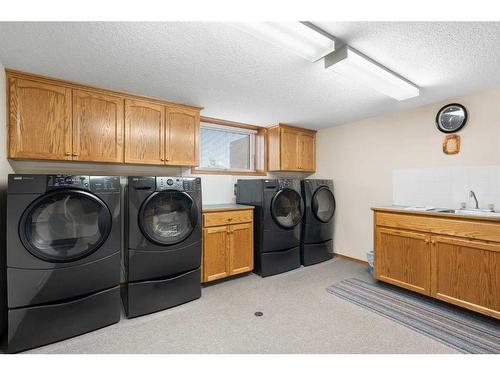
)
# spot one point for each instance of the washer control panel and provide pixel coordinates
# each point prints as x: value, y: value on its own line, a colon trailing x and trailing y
x: 192, y: 184
x: 105, y: 184
x: 78, y: 182
x: 288, y: 183
x: 169, y: 183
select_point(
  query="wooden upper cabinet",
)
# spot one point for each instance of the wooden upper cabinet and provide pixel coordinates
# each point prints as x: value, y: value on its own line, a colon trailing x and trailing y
x: 182, y: 136
x: 144, y: 132
x: 97, y: 127
x: 307, y: 151
x: 291, y: 149
x: 59, y: 120
x: 39, y: 120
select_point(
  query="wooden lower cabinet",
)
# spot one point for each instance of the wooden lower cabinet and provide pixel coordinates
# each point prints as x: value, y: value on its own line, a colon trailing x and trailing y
x: 403, y: 258
x: 241, y: 248
x: 466, y: 273
x: 215, y: 253
x: 452, y: 259
x: 227, y: 249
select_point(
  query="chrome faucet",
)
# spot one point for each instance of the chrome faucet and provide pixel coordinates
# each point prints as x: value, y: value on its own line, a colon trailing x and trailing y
x: 473, y: 195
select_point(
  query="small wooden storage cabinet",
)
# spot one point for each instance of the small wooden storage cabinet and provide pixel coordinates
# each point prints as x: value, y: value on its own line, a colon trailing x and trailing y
x: 58, y: 120
x: 161, y: 134
x: 227, y: 241
x: 449, y: 257
x: 291, y: 149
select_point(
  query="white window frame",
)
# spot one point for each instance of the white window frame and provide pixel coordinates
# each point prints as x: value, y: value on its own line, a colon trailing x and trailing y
x: 231, y: 129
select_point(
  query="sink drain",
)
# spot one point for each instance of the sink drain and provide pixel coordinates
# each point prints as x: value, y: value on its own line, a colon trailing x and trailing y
x: 259, y: 313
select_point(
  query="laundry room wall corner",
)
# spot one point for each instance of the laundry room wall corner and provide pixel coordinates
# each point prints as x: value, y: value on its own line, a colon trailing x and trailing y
x: 5, y: 169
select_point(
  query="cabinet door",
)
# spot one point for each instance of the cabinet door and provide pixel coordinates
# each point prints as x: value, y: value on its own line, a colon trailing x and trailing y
x: 215, y: 253
x: 307, y: 152
x: 241, y: 245
x: 289, y: 150
x: 182, y: 136
x: 39, y: 120
x: 466, y: 273
x: 144, y: 132
x: 403, y: 258
x: 97, y: 127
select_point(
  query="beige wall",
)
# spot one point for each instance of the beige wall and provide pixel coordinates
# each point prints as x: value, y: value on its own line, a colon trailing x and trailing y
x: 361, y: 156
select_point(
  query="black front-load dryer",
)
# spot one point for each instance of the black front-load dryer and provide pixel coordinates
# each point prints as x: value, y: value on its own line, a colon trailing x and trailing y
x: 163, y: 243
x: 316, y: 243
x: 63, y: 257
x: 277, y: 222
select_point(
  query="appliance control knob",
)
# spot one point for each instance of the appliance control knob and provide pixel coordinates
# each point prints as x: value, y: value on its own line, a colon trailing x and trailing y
x: 170, y: 181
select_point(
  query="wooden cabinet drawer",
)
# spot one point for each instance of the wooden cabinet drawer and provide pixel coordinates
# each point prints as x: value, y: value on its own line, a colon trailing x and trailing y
x: 229, y: 217
x: 471, y: 229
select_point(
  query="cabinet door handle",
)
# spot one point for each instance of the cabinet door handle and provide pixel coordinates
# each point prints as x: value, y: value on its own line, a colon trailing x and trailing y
x: 75, y: 153
x: 433, y: 242
x: 67, y: 153
x: 162, y: 159
x: 426, y: 241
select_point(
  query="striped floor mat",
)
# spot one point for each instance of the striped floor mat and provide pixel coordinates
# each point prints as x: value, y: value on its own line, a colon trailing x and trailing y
x: 465, y: 331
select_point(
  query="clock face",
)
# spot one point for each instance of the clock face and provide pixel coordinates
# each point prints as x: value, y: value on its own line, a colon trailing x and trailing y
x: 451, y: 118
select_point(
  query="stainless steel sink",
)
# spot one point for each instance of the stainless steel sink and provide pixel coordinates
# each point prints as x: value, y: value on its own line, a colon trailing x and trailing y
x: 469, y: 211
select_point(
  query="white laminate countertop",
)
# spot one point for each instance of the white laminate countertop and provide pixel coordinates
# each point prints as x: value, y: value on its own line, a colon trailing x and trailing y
x: 434, y: 211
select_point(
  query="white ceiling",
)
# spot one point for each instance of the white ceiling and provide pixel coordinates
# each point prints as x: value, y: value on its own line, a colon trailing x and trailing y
x: 238, y: 77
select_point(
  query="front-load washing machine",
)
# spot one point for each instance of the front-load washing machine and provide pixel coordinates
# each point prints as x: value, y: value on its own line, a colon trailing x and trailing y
x: 63, y: 257
x: 163, y: 243
x: 316, y: 244
x: 277, y: 222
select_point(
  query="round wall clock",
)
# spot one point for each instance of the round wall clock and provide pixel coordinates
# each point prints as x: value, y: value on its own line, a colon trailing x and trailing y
x: 451, y: 118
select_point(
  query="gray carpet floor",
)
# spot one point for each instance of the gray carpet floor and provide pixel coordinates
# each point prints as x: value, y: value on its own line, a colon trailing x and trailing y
x: 300, y: 316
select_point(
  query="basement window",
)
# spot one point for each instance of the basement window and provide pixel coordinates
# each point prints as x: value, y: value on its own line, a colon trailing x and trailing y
x: 230, y: 150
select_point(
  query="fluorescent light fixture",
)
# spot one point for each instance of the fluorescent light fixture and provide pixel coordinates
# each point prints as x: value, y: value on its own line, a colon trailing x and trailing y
x: 352, y: 64
x: 294, y: 36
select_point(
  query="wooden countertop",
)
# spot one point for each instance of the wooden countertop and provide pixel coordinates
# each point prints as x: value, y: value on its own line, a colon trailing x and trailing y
x: 225, y: 207
x: 402, y: 210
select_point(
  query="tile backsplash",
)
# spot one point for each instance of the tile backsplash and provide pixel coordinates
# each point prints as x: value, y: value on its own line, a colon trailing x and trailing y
x: 447, y: 186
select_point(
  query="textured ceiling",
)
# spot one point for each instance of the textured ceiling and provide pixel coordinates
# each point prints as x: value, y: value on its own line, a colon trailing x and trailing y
x: 238, y: 77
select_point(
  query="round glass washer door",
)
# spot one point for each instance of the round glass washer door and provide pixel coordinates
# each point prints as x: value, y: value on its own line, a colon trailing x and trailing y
x: 287, y: 208
x: 168, y: 217
x: 65, y: 225
x: 323, y: 204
